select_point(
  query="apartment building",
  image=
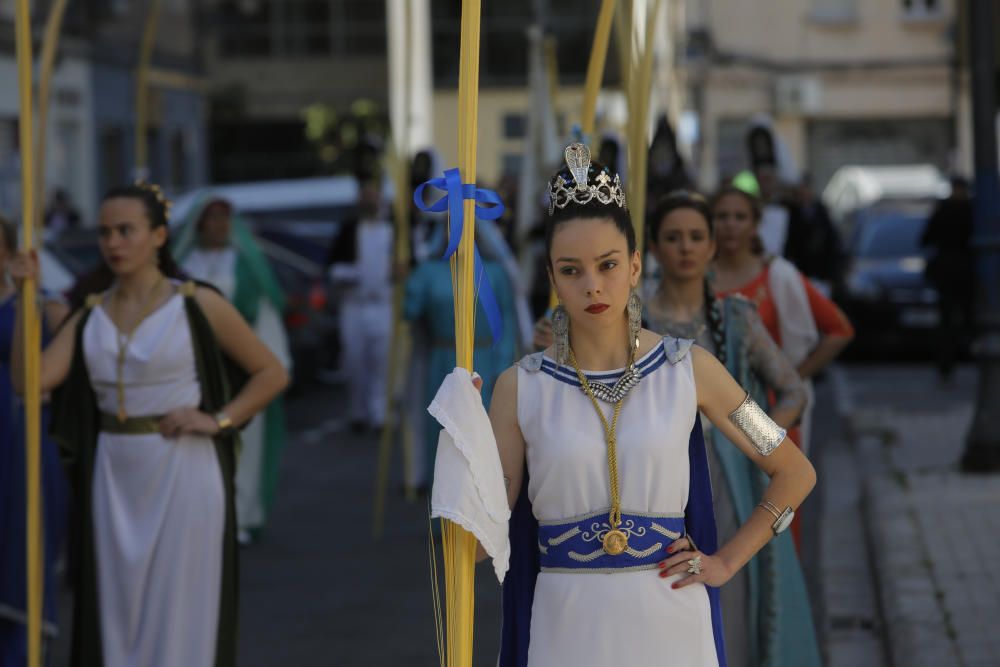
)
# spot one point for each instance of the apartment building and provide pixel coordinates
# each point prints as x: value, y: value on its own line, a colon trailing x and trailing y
x: 842, y: 82
x: 91, y: 123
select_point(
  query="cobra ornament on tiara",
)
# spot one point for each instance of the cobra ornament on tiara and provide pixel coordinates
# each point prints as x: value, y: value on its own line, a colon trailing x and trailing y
x: 580, y: 191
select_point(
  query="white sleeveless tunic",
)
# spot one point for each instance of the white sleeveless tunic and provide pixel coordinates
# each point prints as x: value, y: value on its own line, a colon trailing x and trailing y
x: 158, y: 504
x: 626, y: 617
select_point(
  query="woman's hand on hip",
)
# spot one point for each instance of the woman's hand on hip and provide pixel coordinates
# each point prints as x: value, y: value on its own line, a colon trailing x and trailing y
x: 188, y: 421
x: 697, y: 567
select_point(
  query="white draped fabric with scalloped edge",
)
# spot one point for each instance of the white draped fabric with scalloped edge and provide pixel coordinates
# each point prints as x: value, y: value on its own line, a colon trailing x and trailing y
x: 158, y: 504
x: 468, y: 478
x: 627, y: 617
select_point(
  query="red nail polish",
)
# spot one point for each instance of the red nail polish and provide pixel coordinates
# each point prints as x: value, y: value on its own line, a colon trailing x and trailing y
x: 663, y: 575
x: 673, y: 585
x: 670, y: 549
x: 662, y: 564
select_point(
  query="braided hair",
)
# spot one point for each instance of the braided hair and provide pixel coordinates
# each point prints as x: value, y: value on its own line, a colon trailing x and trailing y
x: 158, y: 211
x: 713, y: 316
x: 684, y: 199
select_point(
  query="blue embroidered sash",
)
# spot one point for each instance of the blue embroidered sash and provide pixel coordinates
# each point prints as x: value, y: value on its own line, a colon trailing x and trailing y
x: 577, y: 544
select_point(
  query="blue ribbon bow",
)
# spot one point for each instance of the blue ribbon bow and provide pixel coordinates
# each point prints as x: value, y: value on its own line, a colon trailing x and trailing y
x: 489, y: 206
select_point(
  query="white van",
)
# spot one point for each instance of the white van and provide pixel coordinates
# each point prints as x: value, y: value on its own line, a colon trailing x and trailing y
x: 853, y: 188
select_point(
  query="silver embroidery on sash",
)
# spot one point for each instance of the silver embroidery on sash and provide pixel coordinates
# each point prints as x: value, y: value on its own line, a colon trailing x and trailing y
x: 559, y: 539
x: 645, y: 552
x: 599, y: 529
x: 666, y: 532
x: 586, y: 558
x: 759, y: 429
x: 543, y: 549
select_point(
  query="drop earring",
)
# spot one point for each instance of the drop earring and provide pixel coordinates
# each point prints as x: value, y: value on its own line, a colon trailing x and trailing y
x: 634, y: 310
x: 560, y: 330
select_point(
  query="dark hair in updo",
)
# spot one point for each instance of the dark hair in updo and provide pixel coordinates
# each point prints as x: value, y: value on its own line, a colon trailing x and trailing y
x: 590, y: 211
x: 684, y: 199
x: 676, y: 200
x: 102, y: 277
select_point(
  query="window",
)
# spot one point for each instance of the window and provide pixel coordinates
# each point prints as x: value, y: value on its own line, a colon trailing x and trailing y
x: 834, y: 11
x: 504, y: 42
x: 514, y: 126
x: 244, y: 29
x: 264, y: 28
x: 919, y: 10
x: 178, y: 161
x: 112, y: 158
x: 512, y: 163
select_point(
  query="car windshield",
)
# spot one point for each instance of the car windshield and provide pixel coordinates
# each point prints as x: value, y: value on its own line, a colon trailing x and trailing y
x: 890, y: 235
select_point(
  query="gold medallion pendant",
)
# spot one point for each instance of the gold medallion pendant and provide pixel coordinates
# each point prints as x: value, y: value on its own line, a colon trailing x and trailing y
x: 615, y: 542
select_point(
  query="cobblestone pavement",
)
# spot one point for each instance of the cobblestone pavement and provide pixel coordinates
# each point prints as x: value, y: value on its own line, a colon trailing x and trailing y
x: 932, y: 531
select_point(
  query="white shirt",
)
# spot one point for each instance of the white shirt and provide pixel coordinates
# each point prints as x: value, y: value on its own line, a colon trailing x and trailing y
x: 216, y: 266
x: 774, y: 229
x: 372, y: 270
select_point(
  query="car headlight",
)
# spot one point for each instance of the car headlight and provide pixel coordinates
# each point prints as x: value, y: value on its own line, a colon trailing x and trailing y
x: 862, y: 287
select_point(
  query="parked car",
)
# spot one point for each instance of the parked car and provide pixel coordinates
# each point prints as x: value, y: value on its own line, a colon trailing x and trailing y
x: 56, y: 277
x: 310, y: 319
x: 77, y: 249
x: 884, y: 291
x: 303, y: 215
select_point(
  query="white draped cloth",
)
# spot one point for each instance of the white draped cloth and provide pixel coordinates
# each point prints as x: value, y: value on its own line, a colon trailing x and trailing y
x: 158, y: 504
x: 468, y: 479
x: 799, y: 334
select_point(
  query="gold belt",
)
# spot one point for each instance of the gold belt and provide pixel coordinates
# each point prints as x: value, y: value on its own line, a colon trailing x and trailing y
x: 131, y: 425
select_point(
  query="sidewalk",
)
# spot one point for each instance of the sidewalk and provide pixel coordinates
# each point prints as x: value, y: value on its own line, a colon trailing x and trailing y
x: 934, y: 533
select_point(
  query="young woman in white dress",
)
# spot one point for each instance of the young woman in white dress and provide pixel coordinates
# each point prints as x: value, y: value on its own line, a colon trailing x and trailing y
x: 611, y: 459
x: 146, y: 422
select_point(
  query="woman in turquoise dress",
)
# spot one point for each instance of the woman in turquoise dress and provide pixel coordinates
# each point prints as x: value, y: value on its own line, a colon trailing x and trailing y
x: 13, y: 567
x: 765, y: 608
x: 430, y: 305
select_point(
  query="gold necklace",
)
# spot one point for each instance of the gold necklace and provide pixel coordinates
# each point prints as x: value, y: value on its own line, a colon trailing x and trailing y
x: 615, y: 541
x: 125, y: 341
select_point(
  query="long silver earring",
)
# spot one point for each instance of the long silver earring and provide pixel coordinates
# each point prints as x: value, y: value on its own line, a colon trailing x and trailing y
x: 634, y: 310
x: 560, y: 329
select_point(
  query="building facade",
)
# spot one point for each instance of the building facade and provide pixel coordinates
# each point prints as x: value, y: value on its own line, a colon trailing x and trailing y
x: 90, y: 143
x: 842, y: 82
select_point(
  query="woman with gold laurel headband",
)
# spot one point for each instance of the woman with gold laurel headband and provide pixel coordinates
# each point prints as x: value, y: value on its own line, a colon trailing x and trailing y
x: 613, y: 554
x: 145, y: 419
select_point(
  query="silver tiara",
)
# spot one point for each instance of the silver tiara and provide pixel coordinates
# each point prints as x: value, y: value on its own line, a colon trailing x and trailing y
x: 604, y: 189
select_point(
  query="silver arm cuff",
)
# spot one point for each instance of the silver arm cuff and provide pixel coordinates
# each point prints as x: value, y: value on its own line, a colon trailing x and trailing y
x: 757, y: 426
